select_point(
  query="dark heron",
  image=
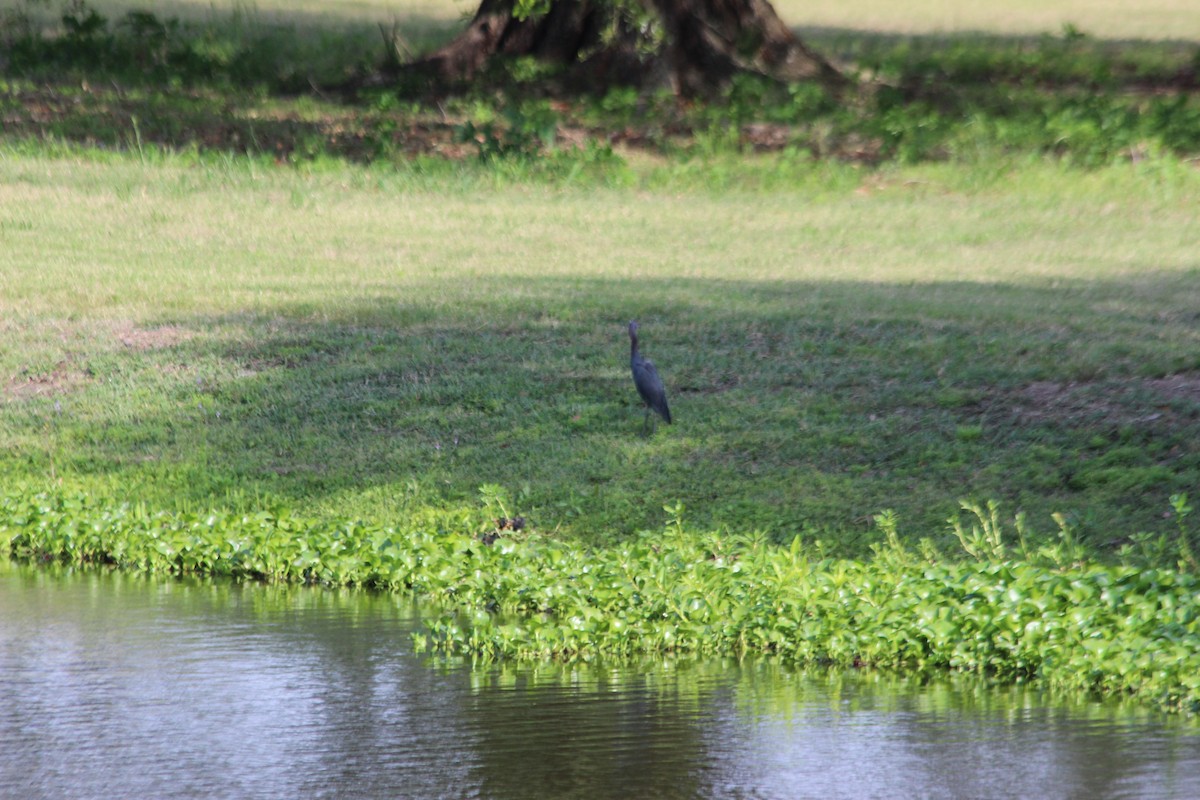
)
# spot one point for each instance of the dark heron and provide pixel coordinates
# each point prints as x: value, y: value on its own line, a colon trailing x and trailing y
x: 645, y: 377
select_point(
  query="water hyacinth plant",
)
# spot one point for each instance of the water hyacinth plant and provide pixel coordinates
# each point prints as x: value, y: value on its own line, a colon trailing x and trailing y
x: 1112, y: 629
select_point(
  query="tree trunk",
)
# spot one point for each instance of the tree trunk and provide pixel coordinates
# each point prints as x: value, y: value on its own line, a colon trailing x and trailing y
x: 709, y: 41
x: 559, y: 36
x: 706, y: 42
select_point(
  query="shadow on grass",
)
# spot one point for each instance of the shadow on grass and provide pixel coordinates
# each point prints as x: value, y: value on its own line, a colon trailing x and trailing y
x: 245, y: 83
x: 800, y: 408
x: 254, y: 85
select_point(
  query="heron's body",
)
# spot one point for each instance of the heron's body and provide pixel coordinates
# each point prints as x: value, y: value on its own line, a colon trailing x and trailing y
x: 646, y: 379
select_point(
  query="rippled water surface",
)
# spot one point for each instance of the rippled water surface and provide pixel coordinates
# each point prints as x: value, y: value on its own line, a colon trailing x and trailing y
x: 123, y: 686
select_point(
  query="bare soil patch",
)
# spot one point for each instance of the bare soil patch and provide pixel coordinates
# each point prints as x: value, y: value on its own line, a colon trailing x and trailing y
x: 70, y: 371
x: 62, y: 379
x: 151, y: 338
x: 1120, y: 403
x: 1177, y: 387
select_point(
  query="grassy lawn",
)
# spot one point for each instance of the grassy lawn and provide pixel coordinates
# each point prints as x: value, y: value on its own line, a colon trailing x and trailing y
x: 346, y: 342
x: 218, y: 292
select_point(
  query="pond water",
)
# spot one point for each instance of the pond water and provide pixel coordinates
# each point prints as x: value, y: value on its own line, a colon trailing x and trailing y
x: 114, y: 685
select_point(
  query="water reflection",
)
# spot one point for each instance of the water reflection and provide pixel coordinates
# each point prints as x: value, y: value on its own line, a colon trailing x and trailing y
x: 116, y: 685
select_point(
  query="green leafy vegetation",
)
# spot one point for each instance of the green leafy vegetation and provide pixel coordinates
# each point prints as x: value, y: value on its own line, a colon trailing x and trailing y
x: 225, y: 287
x: 1129, y: 630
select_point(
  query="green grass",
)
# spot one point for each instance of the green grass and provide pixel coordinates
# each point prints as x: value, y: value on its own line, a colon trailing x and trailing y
x: 224, y: 286
x: 345, y: 341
